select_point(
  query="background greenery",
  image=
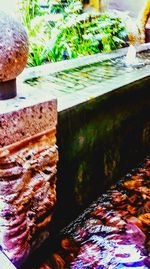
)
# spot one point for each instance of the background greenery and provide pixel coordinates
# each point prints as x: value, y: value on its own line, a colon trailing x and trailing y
x: 60, y: 30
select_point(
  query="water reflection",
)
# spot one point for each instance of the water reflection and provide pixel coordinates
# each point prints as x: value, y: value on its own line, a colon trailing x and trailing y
x: 113, y: 233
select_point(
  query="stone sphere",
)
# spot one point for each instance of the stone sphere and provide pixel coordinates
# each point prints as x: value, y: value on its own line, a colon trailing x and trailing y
x: 13, y: 47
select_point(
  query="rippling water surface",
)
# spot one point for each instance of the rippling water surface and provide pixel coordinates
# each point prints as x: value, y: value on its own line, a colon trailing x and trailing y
x: 114, y: 233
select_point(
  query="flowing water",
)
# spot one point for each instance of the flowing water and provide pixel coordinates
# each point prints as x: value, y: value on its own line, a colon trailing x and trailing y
x: 114, y: 233
x: 77, y: 79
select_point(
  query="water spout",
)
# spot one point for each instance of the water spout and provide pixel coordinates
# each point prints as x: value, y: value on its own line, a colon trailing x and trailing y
x: 131, y: 58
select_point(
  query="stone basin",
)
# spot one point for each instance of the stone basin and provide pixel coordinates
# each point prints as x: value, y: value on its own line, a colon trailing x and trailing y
x: 76, y: 81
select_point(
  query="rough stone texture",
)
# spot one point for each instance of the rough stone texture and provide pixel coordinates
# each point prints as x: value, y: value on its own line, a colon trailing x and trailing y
x: 28, y: 162
x: 30, y: 113
x: 18, y: 125
x: 27, y: 195
x: 13, y: 48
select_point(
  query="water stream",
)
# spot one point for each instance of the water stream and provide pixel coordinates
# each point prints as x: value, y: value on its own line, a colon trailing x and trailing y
x: 81, y: 78
x: 114, y: 233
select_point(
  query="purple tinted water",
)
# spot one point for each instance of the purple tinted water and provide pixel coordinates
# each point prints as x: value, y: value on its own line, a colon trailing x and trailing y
x: 113, y: 233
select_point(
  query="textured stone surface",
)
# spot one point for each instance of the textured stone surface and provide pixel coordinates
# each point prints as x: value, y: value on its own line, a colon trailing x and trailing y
x: 28, y: 114
x: 13, y: 48
x: 28, y: 159
x: 26, y: 122
x: 27, y: 194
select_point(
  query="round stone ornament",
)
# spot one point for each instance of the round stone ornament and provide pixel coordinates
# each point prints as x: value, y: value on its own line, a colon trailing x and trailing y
x: 13, y: 48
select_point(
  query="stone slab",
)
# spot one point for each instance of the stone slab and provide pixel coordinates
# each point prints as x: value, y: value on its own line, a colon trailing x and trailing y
x: 30, y: 113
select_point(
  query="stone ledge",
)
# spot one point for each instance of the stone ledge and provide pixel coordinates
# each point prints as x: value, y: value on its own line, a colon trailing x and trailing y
x: 26, y: 115
x: 67, y: 101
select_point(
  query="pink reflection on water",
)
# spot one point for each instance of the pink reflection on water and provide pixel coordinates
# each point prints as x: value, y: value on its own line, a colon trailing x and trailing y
x: 114, y: 232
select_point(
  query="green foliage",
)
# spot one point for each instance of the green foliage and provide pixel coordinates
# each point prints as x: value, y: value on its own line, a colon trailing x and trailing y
x: 39, y: 36
x: 65, y: 7
x: 56, y: 6
x: 73, y: 7
x: 74, y: 34
x: 82, y: 35
x: 29, y: 9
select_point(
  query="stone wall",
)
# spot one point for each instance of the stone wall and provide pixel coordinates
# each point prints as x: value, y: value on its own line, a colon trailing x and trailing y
x: 28, y: 158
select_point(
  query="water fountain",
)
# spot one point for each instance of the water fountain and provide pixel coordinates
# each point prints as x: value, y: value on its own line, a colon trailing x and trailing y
x: 104, y: 106
x: 131, y: 59
x: 103, y: 102
x: 105, y: 99
x: 88, y: 75
x: 104, y: 114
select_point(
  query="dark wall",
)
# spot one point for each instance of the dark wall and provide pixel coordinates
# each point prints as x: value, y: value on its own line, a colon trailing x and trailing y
x: 99, y: 141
